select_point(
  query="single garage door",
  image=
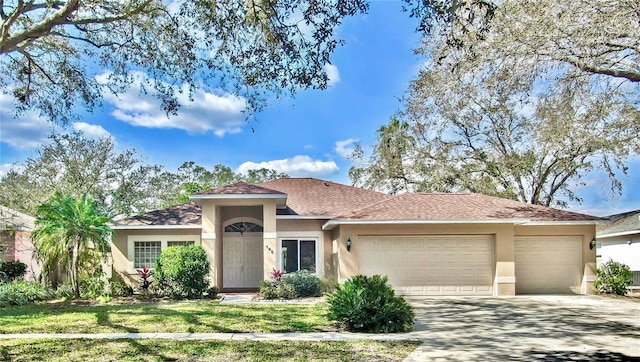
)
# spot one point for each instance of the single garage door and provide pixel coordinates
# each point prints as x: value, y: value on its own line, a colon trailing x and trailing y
x: 431, y: 265
x: 548, y: 264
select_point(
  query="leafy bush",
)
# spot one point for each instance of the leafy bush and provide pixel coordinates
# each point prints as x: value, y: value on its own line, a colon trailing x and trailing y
x: 21, y: 293
x: 613, y: 278
x: 304, y: 282
x: 268, y: 290
x: 91, y: 277
x: 328, y: 285
x: 119, y: 288
x: 13, y: 270
x: 212, y: 292
x: 369, y: 304
x: 64, y: 291
x: 181, y: 271
x: 145, y: 279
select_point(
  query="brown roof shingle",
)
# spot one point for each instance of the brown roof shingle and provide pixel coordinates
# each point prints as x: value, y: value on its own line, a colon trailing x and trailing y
x: 314, y: 197
x: 240, y: 188
x: 188, y: 214
x: 467, y: 206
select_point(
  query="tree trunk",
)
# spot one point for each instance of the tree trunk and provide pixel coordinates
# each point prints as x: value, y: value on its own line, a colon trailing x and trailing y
x: 74, y: 270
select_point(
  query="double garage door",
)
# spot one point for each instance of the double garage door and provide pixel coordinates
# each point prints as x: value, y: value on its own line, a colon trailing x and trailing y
x: 431, y: 265
x: 463, y: 264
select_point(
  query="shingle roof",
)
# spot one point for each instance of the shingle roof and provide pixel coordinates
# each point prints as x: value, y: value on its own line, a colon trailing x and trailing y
x: 462, y: 206
x: 184, y: 214
x: 314, y: 197
x: 16, y: 220
x: 326, y: 199
x: 240, y: 188
x: 621, y: 223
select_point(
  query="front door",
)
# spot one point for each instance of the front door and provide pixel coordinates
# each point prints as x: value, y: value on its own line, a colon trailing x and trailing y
x: 242, y: 261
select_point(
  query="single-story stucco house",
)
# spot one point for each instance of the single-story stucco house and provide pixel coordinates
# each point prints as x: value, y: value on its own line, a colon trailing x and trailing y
x: 427, y: 244
x: 15, y: 240
x: 619, y: 240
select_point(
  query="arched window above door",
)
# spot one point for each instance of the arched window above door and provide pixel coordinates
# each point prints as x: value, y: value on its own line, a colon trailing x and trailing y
x: 243, y: 227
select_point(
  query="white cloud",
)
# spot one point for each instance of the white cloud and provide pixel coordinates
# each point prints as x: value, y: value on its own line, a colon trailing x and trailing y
x: 308, y: 146
x: 23, y: 132
x: 219, y: 112
x: 333, y: 73
x: 91, y: 130
x: 345, y: 148
x: 298, y: 166
x: 6, y: 167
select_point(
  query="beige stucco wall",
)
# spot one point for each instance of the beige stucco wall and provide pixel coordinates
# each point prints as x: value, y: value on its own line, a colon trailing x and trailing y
x: 347, y: 263
x: 327, y: 254
x: 123, y: 262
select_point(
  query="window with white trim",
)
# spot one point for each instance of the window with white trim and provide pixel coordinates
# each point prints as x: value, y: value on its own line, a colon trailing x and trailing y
x: 298, y: 254
x: 145, y: 249
x: 146, y: 253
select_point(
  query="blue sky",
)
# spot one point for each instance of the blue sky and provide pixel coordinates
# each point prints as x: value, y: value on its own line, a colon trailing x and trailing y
x: 308, y: 135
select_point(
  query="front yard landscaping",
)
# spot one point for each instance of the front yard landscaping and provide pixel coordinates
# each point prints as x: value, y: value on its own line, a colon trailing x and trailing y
x: 200, y: 316
x: 162, y: 350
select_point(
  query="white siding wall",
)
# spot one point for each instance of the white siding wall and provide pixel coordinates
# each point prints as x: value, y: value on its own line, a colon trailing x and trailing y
x: 620, y: 250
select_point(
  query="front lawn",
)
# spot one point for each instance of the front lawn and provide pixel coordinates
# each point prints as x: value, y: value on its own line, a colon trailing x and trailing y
x: 163, y: 350
x: 200, y: 316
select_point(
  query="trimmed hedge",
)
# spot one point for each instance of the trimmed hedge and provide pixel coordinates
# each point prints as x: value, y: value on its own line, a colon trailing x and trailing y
x: 181, y: 271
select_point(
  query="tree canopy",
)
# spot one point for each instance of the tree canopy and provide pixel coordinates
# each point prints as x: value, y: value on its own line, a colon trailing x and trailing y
x: 52, y: 50
x: 73, y: 164
x: 519, y: 99
x: 122, y: 183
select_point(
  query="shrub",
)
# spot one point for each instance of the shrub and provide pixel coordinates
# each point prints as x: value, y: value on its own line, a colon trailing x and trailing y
x: 212, y: 292
x: 181, y: 271
x: 369, y: 304
x: 328, y: 285
x: 13, y: 270
x: 119, y: 288
x: 91, y: 278
x: 304, y: 282
x: 145, y: 279
x: 613, y: 278
x: 268, y: 290
x: 21, y: 293
x: 65, y: 291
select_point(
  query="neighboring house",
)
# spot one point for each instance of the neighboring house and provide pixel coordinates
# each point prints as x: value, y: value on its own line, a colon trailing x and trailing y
x: 15, y: 240
x: 619, y: 240
x: 427, y: 244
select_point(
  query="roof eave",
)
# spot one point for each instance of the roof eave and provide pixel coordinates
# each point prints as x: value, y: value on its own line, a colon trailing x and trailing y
x: 567, y: 222
x: 331, y: 224
x: 142, y: 227
x: 237, y: 196
x: 621, y: 233
x: 304, y: 217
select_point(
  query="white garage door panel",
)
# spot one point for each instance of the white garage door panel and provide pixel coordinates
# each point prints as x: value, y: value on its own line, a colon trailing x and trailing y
x: 434, y: 265
x: 548, y: 264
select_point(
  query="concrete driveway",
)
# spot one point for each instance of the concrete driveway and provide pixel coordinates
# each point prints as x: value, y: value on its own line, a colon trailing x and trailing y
x: 525, y: 328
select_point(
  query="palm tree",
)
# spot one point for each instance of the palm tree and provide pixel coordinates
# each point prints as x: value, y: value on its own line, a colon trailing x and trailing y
x: 65, y: 227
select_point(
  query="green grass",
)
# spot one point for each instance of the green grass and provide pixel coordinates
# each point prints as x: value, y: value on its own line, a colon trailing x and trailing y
x: 162, y: 350
x: 186, y: 316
